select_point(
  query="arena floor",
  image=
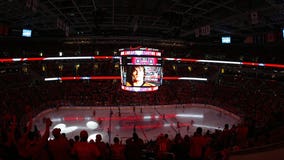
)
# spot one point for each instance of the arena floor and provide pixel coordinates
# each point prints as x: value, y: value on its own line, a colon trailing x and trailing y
x: 147, y: 121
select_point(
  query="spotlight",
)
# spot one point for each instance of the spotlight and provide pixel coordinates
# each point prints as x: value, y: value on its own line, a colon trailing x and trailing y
x: 92, y: 125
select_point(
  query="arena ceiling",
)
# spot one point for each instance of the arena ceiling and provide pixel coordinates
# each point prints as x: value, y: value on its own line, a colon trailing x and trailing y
x: 169, y: 22
x: 189, y: 21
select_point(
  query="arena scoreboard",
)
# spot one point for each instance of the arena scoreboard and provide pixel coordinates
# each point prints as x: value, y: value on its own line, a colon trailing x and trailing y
x: 141, y: 69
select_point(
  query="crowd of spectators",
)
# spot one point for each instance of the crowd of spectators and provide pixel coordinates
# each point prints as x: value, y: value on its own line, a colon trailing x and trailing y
x: 28, y: 144
x: 258, y: 102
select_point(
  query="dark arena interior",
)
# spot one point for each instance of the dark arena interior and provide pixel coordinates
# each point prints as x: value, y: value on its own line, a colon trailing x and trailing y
x: 212, y: 85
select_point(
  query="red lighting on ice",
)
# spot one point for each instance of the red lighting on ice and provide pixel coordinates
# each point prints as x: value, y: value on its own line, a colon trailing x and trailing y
x: 126, y: 118
x: 73, y: 118
x: 157, y: 125
x: 121, y: 118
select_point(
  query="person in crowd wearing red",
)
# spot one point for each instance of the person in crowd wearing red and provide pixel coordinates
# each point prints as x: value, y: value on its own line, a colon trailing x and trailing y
x: 117, y: 150
x: 242, y: 134
x: 103, y: 148
x: 83, y: 150
x: 164, y: 147
x: 134, y: 146
x: 59, y: 148
x: 225, y: 137
x: 197, y: 145
x: 32, y: 145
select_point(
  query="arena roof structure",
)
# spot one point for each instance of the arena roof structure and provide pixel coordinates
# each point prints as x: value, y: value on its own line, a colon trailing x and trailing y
x: 163, y: 23
x: 178, y: 22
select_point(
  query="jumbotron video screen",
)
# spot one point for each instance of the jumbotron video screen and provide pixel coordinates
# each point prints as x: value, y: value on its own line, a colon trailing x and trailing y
x: 141, y: 69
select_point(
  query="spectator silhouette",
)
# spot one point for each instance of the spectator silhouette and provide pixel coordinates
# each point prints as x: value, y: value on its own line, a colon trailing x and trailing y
x: 117, y: 150
x: 134, y: 146
x: 83, y: 150
x: 197, y: 145
x: 59, y: 148
x: 104, y: 150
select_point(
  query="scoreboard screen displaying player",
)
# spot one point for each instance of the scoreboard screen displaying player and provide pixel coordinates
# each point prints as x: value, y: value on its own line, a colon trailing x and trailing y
x: 141, y: 70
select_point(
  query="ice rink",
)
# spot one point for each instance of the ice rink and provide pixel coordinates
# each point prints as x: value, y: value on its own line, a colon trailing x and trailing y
x: 147, y: 121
